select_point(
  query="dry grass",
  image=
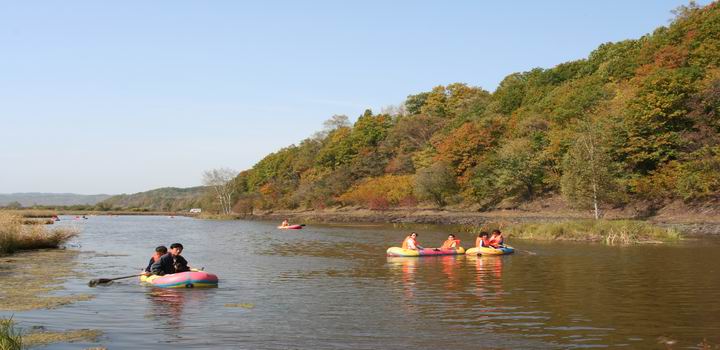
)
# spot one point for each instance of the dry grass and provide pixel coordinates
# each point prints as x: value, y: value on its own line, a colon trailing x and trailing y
x: 15, y: 236
x: 607, y: 231
x: 30, y: 213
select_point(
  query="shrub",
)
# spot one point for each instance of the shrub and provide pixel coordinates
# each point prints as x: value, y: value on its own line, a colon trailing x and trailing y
x: 381, y: 192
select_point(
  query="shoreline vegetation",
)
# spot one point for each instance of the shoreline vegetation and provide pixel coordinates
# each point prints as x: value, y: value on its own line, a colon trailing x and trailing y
x: 522, y: 225
x: 14, y: 338
x: 16, y: 235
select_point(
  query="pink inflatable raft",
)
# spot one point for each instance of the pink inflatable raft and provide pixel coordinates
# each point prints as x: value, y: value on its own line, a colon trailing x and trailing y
x: 291, y: 227
x: 190, y: 279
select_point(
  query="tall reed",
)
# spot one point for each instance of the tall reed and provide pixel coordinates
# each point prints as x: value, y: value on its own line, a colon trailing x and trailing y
x: 15, y: 236
x: 10, y: 337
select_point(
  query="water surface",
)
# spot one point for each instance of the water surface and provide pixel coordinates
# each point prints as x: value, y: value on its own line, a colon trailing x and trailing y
x: 331, y: 287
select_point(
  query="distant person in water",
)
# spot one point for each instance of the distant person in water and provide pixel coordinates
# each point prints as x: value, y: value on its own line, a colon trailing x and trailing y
x: 451, y: 242
x: 170, y: 263
x: 496, y: 239
x: 483, y: 240
x: 285, y: 223
x: 159, y: 252
x: 411, y: 242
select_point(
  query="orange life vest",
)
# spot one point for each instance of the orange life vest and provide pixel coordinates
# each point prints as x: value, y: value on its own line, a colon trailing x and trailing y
x: 405, y: 242
x: 497, y: 240
x: 482, y: 242
x: 450, y: 243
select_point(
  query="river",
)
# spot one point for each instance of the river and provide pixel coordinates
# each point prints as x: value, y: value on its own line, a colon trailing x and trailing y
x: 332, y: 287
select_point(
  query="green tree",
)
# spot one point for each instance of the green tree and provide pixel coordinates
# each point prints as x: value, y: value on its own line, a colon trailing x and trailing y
x: 436, y: 183
x: 588, y: 179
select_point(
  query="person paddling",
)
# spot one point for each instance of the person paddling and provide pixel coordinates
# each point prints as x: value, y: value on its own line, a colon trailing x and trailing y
x: 496, y: 239
x: 170, y: 263
x: 450, y: 243
x: 411, y: 243
x: 285, y: 223
x: 159, y: 252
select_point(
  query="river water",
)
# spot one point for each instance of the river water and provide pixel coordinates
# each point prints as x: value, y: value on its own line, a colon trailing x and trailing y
x: 332, y: 287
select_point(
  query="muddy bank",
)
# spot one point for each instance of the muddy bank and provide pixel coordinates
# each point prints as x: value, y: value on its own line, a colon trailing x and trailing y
x: 688, y: 223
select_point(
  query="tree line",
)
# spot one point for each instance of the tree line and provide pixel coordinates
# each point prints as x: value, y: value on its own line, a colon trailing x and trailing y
x: 637, y: 120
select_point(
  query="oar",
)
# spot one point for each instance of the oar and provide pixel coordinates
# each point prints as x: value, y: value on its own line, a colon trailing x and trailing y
x: 95, y: 282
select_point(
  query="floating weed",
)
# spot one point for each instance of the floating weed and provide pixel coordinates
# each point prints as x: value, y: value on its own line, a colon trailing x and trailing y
x: 243, y: 305
x: 43, y: 338
x: 29, y: 277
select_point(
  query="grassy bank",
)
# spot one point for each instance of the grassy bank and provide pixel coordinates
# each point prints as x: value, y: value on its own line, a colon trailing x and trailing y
x: 607, y: 231
x: 13, y: 338
x: 15, y: 236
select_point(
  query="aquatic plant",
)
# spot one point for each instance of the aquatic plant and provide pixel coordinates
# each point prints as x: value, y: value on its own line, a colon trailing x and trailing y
x: 607, y: 231
x: 10, y: 337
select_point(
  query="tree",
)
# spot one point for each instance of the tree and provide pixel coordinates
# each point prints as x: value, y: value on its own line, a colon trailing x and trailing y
x: 221, y: 182
x: 436, y: 183
x: 588, y: 178
x: 13, y: 205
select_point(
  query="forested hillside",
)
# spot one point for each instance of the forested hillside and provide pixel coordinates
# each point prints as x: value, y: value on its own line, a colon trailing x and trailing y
x: 637, y: 120
x: 161, y: 199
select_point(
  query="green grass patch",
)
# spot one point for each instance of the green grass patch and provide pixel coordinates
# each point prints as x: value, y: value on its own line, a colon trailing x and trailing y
x: 606, y: 231
x: 10, y: 336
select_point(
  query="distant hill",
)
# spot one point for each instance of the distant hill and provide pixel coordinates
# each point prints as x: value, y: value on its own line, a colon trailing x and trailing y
x: 36, y: 198
x: 165, y: 199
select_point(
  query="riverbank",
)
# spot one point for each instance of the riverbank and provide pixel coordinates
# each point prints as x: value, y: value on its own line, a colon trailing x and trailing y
x: 688, y: 221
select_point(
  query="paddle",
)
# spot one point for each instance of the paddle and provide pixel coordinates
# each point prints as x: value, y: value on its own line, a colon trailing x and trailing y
x: 95, y: 282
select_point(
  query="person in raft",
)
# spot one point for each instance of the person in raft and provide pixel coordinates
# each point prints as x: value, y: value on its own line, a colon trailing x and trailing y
x: 170, y: 263
x: 159, y: 252
x: 411, y: 242
x: 483, y: 240
x: 496, y: 239
x: 450, y: 243
x: 285, y: 223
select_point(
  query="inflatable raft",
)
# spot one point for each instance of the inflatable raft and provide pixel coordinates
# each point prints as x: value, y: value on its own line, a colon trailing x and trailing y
x: 190, y: 279
x: 490, y: 251
x: 291, y: 227
x: 397, y: 251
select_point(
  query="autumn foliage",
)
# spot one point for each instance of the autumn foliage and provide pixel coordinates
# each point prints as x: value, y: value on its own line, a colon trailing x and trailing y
x: 635, y: 120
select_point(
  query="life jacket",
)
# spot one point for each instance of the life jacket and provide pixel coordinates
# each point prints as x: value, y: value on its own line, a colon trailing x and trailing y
x: 497, y: 240
x: 405, y: 242
x: 450, y: 243
x: 482, y: 242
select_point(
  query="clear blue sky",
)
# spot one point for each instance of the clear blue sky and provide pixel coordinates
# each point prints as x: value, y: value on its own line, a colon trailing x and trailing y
x: 126, y: 96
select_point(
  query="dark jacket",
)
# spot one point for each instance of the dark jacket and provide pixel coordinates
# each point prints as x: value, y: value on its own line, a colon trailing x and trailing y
x: 169, y: 264
x: 150, y: 264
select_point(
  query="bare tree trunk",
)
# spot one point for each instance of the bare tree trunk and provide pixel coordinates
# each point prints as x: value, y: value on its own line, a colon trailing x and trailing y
x: 595, y: 201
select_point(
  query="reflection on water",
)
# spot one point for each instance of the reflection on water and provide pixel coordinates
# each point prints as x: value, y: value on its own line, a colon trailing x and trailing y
x: 488, y: 276
x: 329, y: 287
